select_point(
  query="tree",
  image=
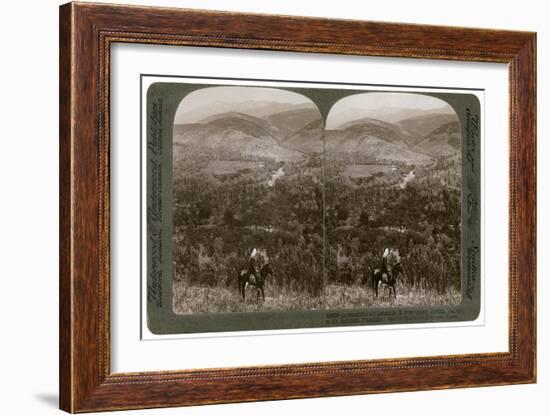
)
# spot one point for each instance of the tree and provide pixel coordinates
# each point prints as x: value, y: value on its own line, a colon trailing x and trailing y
x: 364, y: 219
x: 228, y: 217
x: 204, y: 211
x: 342, y: 213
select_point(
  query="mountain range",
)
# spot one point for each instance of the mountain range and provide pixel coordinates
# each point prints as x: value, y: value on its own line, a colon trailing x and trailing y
x: 415, y: 140
x: 254, y: 108
x: 294, y: 132
x: 419, y: 127
x: 444, y: 141
x: 250, y: 136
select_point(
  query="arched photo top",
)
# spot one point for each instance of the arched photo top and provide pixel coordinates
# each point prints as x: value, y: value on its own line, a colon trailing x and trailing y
x: 249, y: 122
x: 405, y: 127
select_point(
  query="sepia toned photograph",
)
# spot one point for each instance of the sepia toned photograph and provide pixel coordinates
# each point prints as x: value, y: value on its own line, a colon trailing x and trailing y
x: 311, y: 200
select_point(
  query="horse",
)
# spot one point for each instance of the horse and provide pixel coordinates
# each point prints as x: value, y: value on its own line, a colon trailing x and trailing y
x: 388, y: 278
x: 247, y: 278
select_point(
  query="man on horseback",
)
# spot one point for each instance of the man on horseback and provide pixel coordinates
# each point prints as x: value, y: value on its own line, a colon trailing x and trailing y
x: 385, y: 268
x: 252, y: 271
x: 387, y: 274
x: 253, y: 277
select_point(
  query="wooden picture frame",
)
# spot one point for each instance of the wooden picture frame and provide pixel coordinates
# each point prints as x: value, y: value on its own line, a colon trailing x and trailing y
x: 86, y: 33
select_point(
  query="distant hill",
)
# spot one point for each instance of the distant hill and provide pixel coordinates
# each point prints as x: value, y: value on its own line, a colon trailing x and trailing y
x: 232, y: 131
x: 444, y: 141
x: 291, y: 121
x: 369, y: 126
x: 255, y: 126
x: 299, y: 129
x: 281, y: 135
x: 418, y: 128
x: 254, y: 108
x: 372, y: 138
x: 375, y: 148
x: 308, y: 139
x: 390, y: 114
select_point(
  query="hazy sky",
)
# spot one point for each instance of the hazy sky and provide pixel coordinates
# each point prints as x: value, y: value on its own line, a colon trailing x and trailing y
x: 384, y: 106
x: 249, y: 100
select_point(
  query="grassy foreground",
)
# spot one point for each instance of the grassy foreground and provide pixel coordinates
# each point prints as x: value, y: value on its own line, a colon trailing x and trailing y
x: 190, y: 299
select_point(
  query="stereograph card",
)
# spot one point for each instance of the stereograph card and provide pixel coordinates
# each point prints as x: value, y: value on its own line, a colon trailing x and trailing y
x: 280, y: 205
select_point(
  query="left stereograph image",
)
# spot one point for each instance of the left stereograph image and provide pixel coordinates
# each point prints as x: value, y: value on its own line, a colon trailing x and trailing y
x: 295, y: 206
x: 247, y: 201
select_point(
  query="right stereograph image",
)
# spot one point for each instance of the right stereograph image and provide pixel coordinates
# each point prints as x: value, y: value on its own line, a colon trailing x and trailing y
x: 392, y: 189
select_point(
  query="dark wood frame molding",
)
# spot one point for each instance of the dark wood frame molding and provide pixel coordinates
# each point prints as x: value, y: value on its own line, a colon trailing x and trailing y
x: 86, y: 33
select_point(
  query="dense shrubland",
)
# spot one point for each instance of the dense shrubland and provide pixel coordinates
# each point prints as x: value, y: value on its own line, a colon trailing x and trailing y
x: 220, y: 218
